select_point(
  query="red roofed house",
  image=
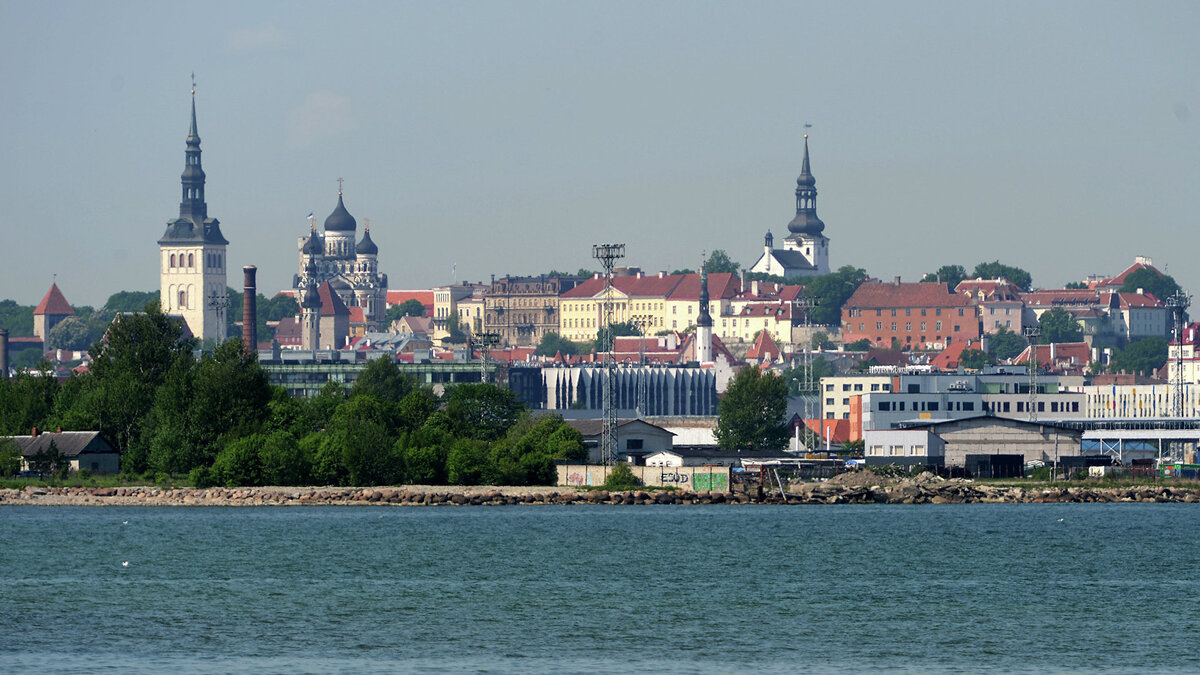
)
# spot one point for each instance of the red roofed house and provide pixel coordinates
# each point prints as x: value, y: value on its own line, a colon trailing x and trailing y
x: 922, y: 315
x: 335, y: 319
x: 1066, y: 358
x: 998, y: 300
x: 50, y: 311
x: 400, y: 297
x: 764, y: 351
x: 1140, y: 262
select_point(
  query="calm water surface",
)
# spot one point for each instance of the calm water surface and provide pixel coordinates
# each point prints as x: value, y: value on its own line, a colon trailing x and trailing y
x: 1013, y: 588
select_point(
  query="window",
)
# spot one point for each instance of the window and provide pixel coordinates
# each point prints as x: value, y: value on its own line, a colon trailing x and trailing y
x: 633, y: 444
x: 845, y: 387
x: 960, y: 311
x: 922, y: 311
x: 1005, y: 406
x: 879, y: 312
x: 875, y: 387
x: 182, y: 300
x: 893, y: 325
x: 1041, y: 406
x: 858, y: 387
x: 828, y: 401
x: 939, y: 326
x: 845, y: 416
x: 878, y: 325
x: 932, y: 406
x: 907, y: 312
x: 845, y: 401
x: 908, y: 326
x: 968, y: 405
x: 922, y: 328
x: 172, y: 260
x: 1075, y: 406
x: 884, y: 406
x: 887, y: 386
x: 893, y: 312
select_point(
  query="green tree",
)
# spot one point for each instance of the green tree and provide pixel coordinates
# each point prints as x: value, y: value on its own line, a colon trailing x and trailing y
x: 1075, y: 286
x: 361, y: 432
x: 621, y: 478
x: 48, y: 461
x: 130, y: 301
x: 17, y: 319
x: 831, y: 292
x: 383, y: 380
x: 127, y: 368
x: 1145, y: 356
x: 997, y: 270
x: 70, y: 333
x: 604, y: 336
x: 1005, y: 344
x: 950, y: 275
x: 1057, y: 325
x: 456, y: 335
x: 424, y: 454
x: 10, y: 458
x: 238, y: 463
x: 415, y: 409
x: 1159, y: 285
x: 553, y: 343
x: 820, y: 340
x: 27, y: 401
x: 975, y: 359
x: 750, y: 415
x: 410, y: 307
x: 481, y: 411
x: 719, y: 261
x: 283, y: 460
x: 468, y: 462
x: 795, y: 377
x: 859, y: 345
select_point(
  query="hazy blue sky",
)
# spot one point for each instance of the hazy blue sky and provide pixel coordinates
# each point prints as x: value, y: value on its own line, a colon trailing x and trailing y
x: 507, y: 138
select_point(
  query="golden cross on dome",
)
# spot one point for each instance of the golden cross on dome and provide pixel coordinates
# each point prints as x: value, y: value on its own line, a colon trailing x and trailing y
x: 339, y: 187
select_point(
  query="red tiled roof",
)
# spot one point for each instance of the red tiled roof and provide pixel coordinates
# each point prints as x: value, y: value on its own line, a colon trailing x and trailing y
x: 288, y: 331
x: 633, y: 286
x: 53, y: 303
x: 764, y: 348
x: 1129, y: 300
x: 992, y: 289
x: 357, y: 315
x: 1119, y: 280
x: 1059, y: 355
x: 331, y: 304
x: 947, y: 359
x: 400, y: 297
x: 721, y: 286
x: 1063, y: 297
x: 875, y: 295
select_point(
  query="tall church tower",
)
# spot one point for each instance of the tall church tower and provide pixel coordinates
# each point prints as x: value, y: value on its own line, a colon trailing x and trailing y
x: 806, y: 228
x: 704, y: 322
x: 192, y: 253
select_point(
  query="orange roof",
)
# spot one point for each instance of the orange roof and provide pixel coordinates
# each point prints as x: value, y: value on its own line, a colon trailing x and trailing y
x: 721, y: 285
x: 1058, y: 355
x: 764, y: 348
x: 1119, y: 280
x: 331, y: 304
x: 53, y: 303
x: 1133, y: 300
x: 400, y: 297
x: 877, y: 294
x: 947, y: 359
x: 357, y: 315
x: 989, y: 289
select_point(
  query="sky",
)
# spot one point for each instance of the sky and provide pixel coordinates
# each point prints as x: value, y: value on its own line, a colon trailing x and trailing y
x: 493, y: 138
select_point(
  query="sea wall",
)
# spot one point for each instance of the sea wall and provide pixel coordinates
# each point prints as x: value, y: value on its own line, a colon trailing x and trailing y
x: 911, y: 491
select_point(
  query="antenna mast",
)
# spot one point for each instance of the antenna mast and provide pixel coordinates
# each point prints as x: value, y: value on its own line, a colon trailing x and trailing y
x: 607, y: 254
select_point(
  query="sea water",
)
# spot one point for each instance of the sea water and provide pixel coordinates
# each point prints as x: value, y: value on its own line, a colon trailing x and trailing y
x: 554, y: 589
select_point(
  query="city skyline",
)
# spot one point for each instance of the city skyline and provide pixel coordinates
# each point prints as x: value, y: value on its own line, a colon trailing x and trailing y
x: 507, y: 139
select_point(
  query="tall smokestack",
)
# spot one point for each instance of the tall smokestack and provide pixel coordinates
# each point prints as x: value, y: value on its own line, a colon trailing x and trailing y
x: 249, y: 311
x: 3, y: 353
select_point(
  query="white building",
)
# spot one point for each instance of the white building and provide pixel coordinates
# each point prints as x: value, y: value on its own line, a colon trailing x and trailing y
x: 192, y: 254
x: 805, y: 251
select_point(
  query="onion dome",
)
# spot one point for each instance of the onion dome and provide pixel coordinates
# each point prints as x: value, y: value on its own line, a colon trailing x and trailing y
x: 806, y: 220
x: 310, y: 298
x: 340, y: 220
x: 366, y: 246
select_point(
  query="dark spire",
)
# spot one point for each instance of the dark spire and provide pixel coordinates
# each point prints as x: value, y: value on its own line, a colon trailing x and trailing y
x: 704, y: 319
x: 192, y: 205
x: 340, y: 220
x: 806, y: 220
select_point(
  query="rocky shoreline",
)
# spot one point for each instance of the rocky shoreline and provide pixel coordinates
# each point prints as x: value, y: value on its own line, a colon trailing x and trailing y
x: 854, y: 488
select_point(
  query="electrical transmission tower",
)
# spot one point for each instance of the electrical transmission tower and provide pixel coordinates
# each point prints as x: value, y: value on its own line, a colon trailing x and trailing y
x: 608, y: 254
x: 1031, y: 334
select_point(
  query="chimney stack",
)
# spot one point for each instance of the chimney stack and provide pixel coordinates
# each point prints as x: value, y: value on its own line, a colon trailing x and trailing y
x: 3, y: 353
x: 249, y: 311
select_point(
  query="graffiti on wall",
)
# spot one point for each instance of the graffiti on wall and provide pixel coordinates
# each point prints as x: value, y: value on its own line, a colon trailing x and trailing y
x: 710, y: 481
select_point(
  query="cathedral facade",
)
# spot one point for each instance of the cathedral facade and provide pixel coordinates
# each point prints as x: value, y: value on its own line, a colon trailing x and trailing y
x: 805, y: 250
x: 350, y: 268
x: 192, y: 254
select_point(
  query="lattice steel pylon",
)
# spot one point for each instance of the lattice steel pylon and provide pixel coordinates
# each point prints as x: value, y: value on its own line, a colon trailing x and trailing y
x: 1178, y: 303
x: 485, y: 342
x: 1031, y: 334
x: 608, y: 254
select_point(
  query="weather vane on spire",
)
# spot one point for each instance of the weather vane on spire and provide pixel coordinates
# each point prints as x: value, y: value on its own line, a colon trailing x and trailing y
x: 339, y: 187
x: 193, y: 83
x: 807, y: 126
x: 366, y: 224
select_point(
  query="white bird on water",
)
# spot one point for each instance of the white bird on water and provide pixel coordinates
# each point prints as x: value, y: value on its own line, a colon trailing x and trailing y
x: 1060, y: 520
x: 124, y: 522
x: 125, y: 564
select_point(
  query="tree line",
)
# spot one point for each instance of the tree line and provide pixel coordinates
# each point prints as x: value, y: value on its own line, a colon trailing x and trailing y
x: 215, y: 418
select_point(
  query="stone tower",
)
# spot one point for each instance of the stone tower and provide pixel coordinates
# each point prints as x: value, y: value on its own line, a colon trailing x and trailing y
x: 192, y: 254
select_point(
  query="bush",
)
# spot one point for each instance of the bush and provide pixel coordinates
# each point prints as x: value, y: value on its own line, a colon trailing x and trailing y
x: 201, y: 477
x: 621, y: 478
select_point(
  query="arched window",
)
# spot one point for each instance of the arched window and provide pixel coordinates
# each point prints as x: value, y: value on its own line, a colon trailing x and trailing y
x: 172, y: 260
x: 191, y: 261
x: 182, y: 299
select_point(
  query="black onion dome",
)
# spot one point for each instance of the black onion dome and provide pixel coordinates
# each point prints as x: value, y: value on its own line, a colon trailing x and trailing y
x: 806, y: 222
x: 310, y: 298
x: 366, y: 246
x: 340, y: 220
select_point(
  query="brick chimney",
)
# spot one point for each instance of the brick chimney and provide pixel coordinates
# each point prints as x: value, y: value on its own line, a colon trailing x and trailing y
x: 249, y: 310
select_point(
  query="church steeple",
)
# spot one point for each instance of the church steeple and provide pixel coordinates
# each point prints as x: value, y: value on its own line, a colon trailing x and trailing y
x: 192, y: 205
x: 704, y: 318
x: 806, y: 220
